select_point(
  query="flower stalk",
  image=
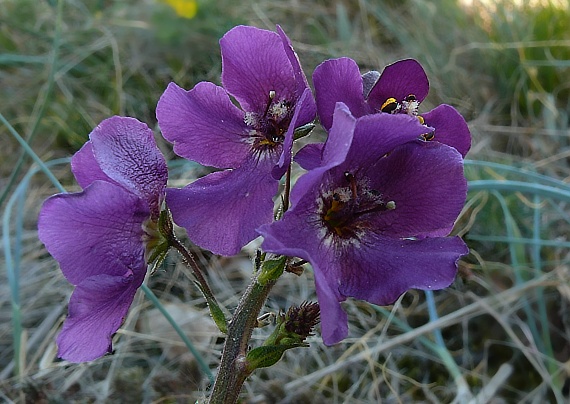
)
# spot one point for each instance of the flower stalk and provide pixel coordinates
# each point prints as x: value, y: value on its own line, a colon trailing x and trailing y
x: 233, y: 366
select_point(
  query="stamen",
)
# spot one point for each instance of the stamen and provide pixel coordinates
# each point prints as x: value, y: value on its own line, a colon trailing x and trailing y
x: 352, y: 181
x: 428, y: 136
x: 269, y: 101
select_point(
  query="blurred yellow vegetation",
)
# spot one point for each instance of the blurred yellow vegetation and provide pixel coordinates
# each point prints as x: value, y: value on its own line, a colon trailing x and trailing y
x: 184, y: 8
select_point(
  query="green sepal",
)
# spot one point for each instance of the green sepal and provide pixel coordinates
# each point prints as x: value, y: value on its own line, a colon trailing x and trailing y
x: 265, y: 356
x: 216, y: 311
x: 157, y: 237
x: 303, y: 131
x: 271, y: 270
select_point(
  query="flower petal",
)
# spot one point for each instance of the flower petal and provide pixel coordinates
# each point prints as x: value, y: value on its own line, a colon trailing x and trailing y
x: 338, y: 80
x: 378, y: 134
x: 85, y: 168
x: 398, y: 80
x: 254, y: 63
x: 334, y: 151
x: 96, y: 311
x: 295, y: 236
x: 450, y: 127
x: 204, y: 125
x: 97, y: 231
x: 285, y: 157
x: 383, y: 268
x: 127, y: 152
x: 222, y: 210
x: 309, y: 157
x: 427, y: 184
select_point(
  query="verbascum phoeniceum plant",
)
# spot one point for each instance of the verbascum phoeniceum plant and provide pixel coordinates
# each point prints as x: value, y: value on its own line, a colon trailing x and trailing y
x: 371, y: 216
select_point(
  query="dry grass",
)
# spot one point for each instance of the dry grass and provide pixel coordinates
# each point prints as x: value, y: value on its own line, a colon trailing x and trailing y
x: 502, y: 331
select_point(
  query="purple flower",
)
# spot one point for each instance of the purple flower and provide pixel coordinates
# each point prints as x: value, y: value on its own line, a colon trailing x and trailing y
x: 400, y: 89
x: 261, y: 71
x: 100, y: 236
x: 366, y: 217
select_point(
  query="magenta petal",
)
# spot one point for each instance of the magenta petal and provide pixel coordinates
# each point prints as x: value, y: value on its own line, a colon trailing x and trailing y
x: 222, y: 210
x: 97, y: 231
x: 254, y: 63
x: 204, y: 125
x: 96, y: 311
x: 127, y: 152
x: 426, y: 182
x: 450, y: 127
x: 85, y: 168
x: 384, y: 268
x: 338, y: 80
x: 399, y: 80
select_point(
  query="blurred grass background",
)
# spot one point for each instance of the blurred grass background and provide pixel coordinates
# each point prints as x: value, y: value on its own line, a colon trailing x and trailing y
x: 500, y: 334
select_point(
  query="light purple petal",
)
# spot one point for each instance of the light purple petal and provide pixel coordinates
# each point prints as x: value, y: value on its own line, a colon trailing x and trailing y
x: 309, y: 157
x: 85, y: 168
x: 222, y: 210
x: 127, y: 152
x: 300, y: 78
x: 426, y: 182
x: 334, y: 321
x: 97, y: 231
x: 204, y: 125
x: 384, y: 268
x: 450, y: 127
x: 254, y: 63
x: 285, y: 158
x: 378, y: 134
x: 96, y: 311
x: 338, y: 80
x: 296, y: 236
x: 398, y: 80
x: 334, y: 151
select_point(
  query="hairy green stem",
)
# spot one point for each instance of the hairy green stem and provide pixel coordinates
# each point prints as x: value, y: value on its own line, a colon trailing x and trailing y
x: 233, y: 366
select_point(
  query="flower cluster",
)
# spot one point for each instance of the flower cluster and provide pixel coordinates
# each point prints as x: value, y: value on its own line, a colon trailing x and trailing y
x: 372, y: 214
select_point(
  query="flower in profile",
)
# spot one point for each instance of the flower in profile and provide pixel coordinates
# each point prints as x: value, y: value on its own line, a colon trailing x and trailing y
x: 371, y: 216
x: 253, y: 143
x: 399, y: 89
x: 103, y: 236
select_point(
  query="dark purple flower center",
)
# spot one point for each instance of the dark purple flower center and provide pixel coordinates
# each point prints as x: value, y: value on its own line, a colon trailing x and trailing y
x: 345, y: 210
x: 268, y: 129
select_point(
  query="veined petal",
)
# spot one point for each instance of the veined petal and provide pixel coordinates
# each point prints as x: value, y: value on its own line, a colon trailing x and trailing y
x: 254, y: 63
x: 222, y: 210
x: 383, y: 268
x: 427, y: 184
x: 204, y: 125
x: 338, y: 80
x: 450, y: 127
x: 285, y: 158
x: 309, y: 157
x: 333, y: 153
x: 378, y: 134
x: 97, y: 231
x: 86, y: 168
x: 297, y: 235
x: 96, y: 311
x: 127, y: 152
x: 300, y: 78
x: 398, y: 80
